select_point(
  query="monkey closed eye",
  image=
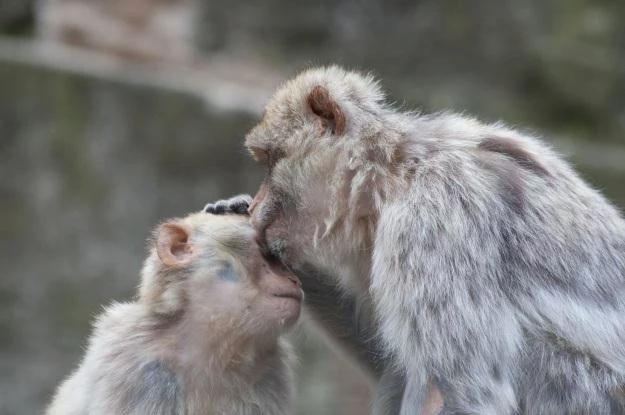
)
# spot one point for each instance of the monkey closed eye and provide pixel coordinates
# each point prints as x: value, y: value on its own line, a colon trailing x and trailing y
x: 237, y: 205
x: 228, y: 273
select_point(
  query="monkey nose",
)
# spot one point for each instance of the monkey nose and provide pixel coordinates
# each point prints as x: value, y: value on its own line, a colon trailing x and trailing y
x: 295, y: 280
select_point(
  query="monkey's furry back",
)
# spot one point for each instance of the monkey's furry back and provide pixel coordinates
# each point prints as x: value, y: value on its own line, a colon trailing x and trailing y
x: 500, y: 249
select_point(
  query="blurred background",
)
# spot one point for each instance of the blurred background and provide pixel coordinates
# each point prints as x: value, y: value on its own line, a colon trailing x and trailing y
x: 115, y: 114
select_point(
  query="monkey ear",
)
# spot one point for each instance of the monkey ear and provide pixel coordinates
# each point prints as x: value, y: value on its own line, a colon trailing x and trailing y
x: 172, y: 245
x: 327, y: 110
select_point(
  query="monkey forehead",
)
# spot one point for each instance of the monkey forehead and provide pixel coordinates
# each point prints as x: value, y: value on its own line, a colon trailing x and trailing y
x: 288, y: 106
x: 217, y: 221
x: 231, y: 232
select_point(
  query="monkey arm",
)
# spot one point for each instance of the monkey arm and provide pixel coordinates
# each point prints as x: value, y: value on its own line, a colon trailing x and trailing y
x: 354, y: 331
x: 389, y: 396
x: 342, y: 318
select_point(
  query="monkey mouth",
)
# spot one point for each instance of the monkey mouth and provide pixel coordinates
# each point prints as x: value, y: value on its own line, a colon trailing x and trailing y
x: 278, y: 267
x: 295, y: 295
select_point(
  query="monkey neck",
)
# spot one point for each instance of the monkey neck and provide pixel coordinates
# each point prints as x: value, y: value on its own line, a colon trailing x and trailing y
x: 224, y: 348
x: 221, y: 370
x: 372, y: 170
x: 229, y: 370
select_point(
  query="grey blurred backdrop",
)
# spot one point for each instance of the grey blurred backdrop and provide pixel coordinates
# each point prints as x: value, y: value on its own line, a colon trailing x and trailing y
x: 115, y: 114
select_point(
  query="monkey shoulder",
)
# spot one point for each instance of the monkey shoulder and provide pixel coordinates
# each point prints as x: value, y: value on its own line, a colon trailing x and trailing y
x: 505, y: 225
x: 118, y: 372
x: 120, y: 357
x: 157, y: 390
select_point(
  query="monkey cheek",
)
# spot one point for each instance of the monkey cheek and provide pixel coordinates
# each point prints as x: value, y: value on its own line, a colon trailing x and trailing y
x: 288, y: 241
x: 276, y: 239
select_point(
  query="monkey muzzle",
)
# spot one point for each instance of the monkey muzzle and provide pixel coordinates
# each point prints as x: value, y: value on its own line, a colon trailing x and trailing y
x: 275, y: 263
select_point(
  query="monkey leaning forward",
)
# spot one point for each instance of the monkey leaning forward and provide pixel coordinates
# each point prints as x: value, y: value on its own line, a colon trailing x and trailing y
x: 497, y: 275
x: 204, y: 336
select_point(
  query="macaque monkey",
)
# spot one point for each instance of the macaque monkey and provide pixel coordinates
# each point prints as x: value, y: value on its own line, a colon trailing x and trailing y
x: 496, y: 273
x: 204, y: 335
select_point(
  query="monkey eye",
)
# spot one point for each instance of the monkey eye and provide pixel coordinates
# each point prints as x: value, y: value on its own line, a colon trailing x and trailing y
x: 228, y: 273
x: 260, y: 154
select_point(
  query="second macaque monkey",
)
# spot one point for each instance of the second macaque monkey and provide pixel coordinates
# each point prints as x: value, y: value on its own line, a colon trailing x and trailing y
x: 496, y: 274
x: 203, y: 337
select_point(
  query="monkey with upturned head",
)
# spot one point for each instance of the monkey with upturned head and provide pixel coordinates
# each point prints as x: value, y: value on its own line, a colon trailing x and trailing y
x: 204, y: 335
x: 496, y: 275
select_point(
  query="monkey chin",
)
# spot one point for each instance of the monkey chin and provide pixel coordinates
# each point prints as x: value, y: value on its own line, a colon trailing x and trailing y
x: 286, y: 309
x: 283, y: 293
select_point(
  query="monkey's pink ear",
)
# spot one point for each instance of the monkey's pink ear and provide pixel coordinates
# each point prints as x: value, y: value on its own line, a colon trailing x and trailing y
x: 329, y: 112
x: 172, y: 245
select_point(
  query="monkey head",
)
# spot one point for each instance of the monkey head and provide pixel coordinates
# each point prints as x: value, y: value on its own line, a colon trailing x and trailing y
x: 209, y: 268
x: 328, y: 146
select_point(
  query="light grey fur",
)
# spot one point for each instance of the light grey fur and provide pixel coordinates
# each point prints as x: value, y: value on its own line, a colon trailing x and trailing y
x: 494, y: 269
x: 124, y: 372
x: 502, y: 295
